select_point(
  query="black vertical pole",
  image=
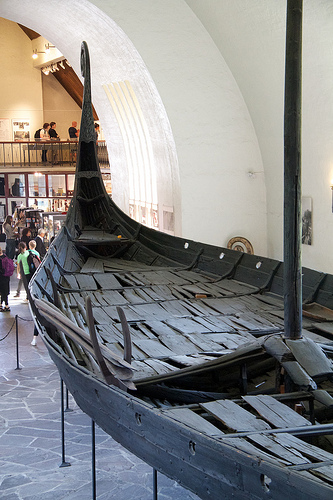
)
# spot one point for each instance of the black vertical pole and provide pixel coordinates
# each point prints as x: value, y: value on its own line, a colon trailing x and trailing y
x: 93, y: 459
x: 292, y: 173
x: 63, y: 463
x: 154, y: 484
x: 67, y: 409
x: 17, y: 345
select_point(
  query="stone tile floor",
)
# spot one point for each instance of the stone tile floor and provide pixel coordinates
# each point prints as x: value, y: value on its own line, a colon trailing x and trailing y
x: 30, y: 432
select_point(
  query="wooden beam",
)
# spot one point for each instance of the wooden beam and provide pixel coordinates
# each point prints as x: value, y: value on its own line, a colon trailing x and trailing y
x: 292, y: 173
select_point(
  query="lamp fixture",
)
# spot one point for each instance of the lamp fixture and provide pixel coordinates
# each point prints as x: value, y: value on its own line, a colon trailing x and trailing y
x: 48, y: 47
x: 67, y: 63
x: 61, y: 64
x: 35, y: 53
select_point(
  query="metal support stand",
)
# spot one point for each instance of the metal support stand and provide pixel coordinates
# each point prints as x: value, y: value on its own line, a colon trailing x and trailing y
x: 63, y: 463
x: 67, y: 409
x: 154, y: 484
x: 17, y: 345
x: 93, y: 460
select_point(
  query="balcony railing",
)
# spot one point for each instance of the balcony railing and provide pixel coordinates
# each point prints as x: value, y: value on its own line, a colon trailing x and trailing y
x: 30, y: 153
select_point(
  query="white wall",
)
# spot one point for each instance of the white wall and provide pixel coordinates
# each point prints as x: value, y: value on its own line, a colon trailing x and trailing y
x: 250, y: 34
x: 20, y: 83
x: 215, y: 138
x: 58, y: 106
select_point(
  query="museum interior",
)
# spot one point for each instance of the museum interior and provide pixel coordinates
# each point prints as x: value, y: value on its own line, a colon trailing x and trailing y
x: 189, y: 99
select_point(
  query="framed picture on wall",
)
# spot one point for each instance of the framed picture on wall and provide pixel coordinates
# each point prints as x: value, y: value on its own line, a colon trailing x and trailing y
x: 306, y: 220
x: 5, y: 134
x: 21, y: 130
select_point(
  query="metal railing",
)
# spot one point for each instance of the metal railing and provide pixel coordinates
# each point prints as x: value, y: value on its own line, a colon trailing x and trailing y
x: 41, y: 152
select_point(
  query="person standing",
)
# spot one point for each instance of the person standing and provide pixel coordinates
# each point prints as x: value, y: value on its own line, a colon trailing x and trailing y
x: 73, y: 132
x: 96, y: 132
x: 40, y: 246
x: 4, y: 285
x: 25, y: 238
x: 44, y: 136
x: 26, y: 235
x: 11, y: 234
x: 23, y: 266
x: 54, y: 137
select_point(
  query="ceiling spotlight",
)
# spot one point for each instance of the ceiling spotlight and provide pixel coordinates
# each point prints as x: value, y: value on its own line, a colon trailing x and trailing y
x: 61, y: 64
x: 35, y: 53
x: 46, y: 70
x: 67, y: 63
x: 48, y: 47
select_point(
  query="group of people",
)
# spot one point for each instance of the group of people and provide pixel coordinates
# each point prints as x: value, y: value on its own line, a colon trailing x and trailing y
x: 30, y: 253
x: 48, y: 133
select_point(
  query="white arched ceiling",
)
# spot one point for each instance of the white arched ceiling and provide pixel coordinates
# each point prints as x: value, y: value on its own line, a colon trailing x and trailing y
x: 221, y: 172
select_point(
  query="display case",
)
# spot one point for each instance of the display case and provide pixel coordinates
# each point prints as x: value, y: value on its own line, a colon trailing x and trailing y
x: 34, y: 220
x: 53, y: 222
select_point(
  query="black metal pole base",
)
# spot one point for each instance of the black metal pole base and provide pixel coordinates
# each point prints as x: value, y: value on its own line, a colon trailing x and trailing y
x: 64, y: 464
x: 154, y: 484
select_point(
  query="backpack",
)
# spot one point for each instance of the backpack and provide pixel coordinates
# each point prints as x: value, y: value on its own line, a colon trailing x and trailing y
x: 33, y: 262
x: 7, y: 266
x: 37, y: 134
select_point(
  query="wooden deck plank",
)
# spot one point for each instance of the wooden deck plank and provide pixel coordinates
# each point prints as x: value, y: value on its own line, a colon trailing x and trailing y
x: 107, y: 281
x: 86, y: 282
x: 153, y: 348
x: 310, y: 356
x: 202, y: 308
x: 222, y: 306
x: 186, y: 325
x: 175, y: 308
x: 178, y: 344
x: 150, y: 311
x: 279, y: 450
x: 276, y: 413
x: 112, y: 297
x: 204, y: 343
x: 93, y: 265
x: 234, y: 416
x: 188, y: 417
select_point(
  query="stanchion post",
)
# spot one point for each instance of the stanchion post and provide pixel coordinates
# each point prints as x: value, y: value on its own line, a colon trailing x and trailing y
x: 67, y: 409
x: 63, y: 463
x: 154, y: 484
x: 17, y: 344
x: 93, y: 459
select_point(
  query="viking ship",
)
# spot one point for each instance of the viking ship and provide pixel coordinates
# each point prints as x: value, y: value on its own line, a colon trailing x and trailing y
x: 177, y: 350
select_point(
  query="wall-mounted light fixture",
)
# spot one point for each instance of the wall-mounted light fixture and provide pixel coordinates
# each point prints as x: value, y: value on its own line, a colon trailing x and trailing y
x: 48, y: 47
x: 35, y: 53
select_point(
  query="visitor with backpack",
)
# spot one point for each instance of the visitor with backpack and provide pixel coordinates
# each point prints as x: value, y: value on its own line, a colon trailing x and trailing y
x: 6, y: 270
x: 42, y: 134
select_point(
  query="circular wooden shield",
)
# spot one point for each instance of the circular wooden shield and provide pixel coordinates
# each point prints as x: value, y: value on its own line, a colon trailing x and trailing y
x: 240, y: 244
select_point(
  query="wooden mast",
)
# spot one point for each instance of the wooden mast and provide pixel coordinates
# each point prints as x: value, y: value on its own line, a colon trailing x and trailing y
x: 292, y: 173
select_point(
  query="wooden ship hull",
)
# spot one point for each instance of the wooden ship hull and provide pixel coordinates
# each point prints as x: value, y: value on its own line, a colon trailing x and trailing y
x: 176, y: 349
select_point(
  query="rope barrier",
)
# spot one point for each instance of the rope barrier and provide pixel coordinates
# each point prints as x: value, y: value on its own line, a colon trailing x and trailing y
x: 9, y: 331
